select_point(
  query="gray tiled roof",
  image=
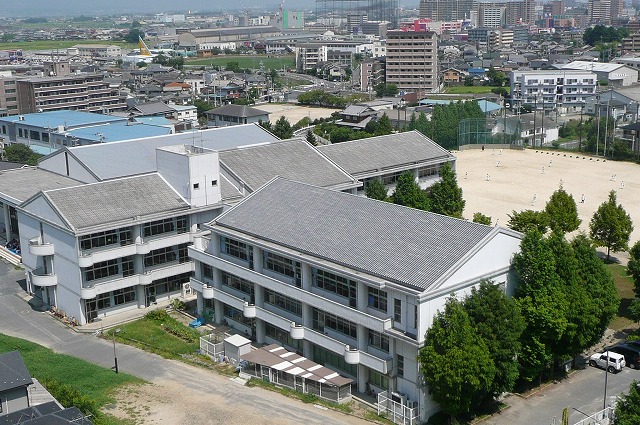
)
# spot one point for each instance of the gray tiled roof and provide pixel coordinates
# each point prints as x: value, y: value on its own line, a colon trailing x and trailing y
x: 13, y: 372
x: 111, y: 201
x: 22, y: 183
x: 408, y: 246
x: 242, y: 111
x: 384, y: 152
x: 131, y: 157
x: 293, y: 159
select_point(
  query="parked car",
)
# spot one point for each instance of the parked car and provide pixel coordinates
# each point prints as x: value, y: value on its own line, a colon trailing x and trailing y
x: 630, y: 352
x: 612, y: 362
x: 635, y: 343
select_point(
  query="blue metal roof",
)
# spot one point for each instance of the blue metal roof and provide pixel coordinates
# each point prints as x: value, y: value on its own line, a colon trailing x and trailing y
x: 53, y: 119
x: 118, y: 131
x: 487, y: 106
x: 42, y: 150
x: 161, y: 121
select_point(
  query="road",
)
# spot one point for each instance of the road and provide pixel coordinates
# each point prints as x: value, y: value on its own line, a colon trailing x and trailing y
x: 220, y: 400
x: 583, y: 390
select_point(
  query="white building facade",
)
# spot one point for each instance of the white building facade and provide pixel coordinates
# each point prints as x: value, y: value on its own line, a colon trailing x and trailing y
x: 563, y: 89
x: 339, y: 279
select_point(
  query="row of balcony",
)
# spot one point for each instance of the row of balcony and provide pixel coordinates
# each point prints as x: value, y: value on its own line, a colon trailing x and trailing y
x: 297, y: 331
x: 315, y: 300
x: 87, y: 259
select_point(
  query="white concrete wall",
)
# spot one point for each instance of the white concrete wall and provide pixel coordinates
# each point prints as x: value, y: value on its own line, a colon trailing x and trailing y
x: 191, y: 175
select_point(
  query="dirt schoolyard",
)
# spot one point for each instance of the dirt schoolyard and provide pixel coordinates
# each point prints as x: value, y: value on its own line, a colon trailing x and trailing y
x: 495, y: 182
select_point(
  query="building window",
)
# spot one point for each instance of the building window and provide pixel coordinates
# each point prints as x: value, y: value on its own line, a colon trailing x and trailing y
x: 236, y: 315
x: 336, y: 284
x: 34, y: 135
x: 282, y: 336
x: 124, y: 296
x: 283, y: 265
x: 214, y: 182
x: 127, y: 266
x: 236, y: 249
x: 196, y: 185
x: 378, y: 379
x: 377, y: 299
x: 238, y: 284
x: 167, y: 255
x: 168, y: 284
x: 168, y: 225
x: 379, y: 341
x: 207, y: 271
x: 415, y: 317
x: 397, y: 310
x: 325, y: 357
x: 323, y: 320
x: 400, y: 363
x: 283, y: 302
x: 101, y: 270
x: 104, y: 300
x: 110, y: 237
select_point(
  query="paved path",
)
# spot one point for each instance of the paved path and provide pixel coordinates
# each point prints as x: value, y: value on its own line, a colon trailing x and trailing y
x: 237, y: 403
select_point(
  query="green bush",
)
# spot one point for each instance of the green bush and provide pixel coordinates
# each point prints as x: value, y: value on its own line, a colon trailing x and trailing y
x: 158, y: 315
x: 181, y: 331
x: 70, y: 396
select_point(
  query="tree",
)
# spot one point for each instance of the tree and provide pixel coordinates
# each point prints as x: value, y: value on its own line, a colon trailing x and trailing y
x: 633, y: 267
x: 384, y: 126
x: 562, y: 212
x: 282, y: 128
x: 233, y: 66
x: 311, y: 139
x: 409, y: 194
x: 599, y: 301
x: 542, y: 302
x: 266, y: 125
x: 17, y: 152
x: 628, y: 407
x: 497, y: 319
x: 611, y: 226
x: 383, y: 89
x: 375, y: 189
x: 455, y: 362
x: 133, y: 36
x: 481, y: 218
x: 527, y: 220
x: 445, y: 196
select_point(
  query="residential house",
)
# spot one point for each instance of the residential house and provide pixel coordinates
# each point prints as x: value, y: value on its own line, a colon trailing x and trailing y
x: 235, y: 115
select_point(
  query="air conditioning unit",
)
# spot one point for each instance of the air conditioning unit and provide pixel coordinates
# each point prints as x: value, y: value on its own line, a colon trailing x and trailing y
x: 399, y: 398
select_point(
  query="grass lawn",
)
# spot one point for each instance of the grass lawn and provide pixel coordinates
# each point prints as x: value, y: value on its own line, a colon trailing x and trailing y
x: 624, y: 283
x: 247, y: 61
x: 96, y: 382
x: 470, y: 89
x: 151, y: 335
x: 59, y: 44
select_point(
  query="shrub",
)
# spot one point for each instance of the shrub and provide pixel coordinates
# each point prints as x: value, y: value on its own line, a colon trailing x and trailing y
x: 158, y: 315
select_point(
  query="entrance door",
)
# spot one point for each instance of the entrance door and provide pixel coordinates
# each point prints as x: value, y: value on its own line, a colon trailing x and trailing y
x: 91, y: 310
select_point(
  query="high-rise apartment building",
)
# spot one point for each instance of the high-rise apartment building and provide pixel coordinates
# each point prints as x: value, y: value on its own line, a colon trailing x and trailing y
x: 446, y: 10
x: 600, y: 11
x: 516, y: 12
x: 83, y: 92
x: 412, y: 59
